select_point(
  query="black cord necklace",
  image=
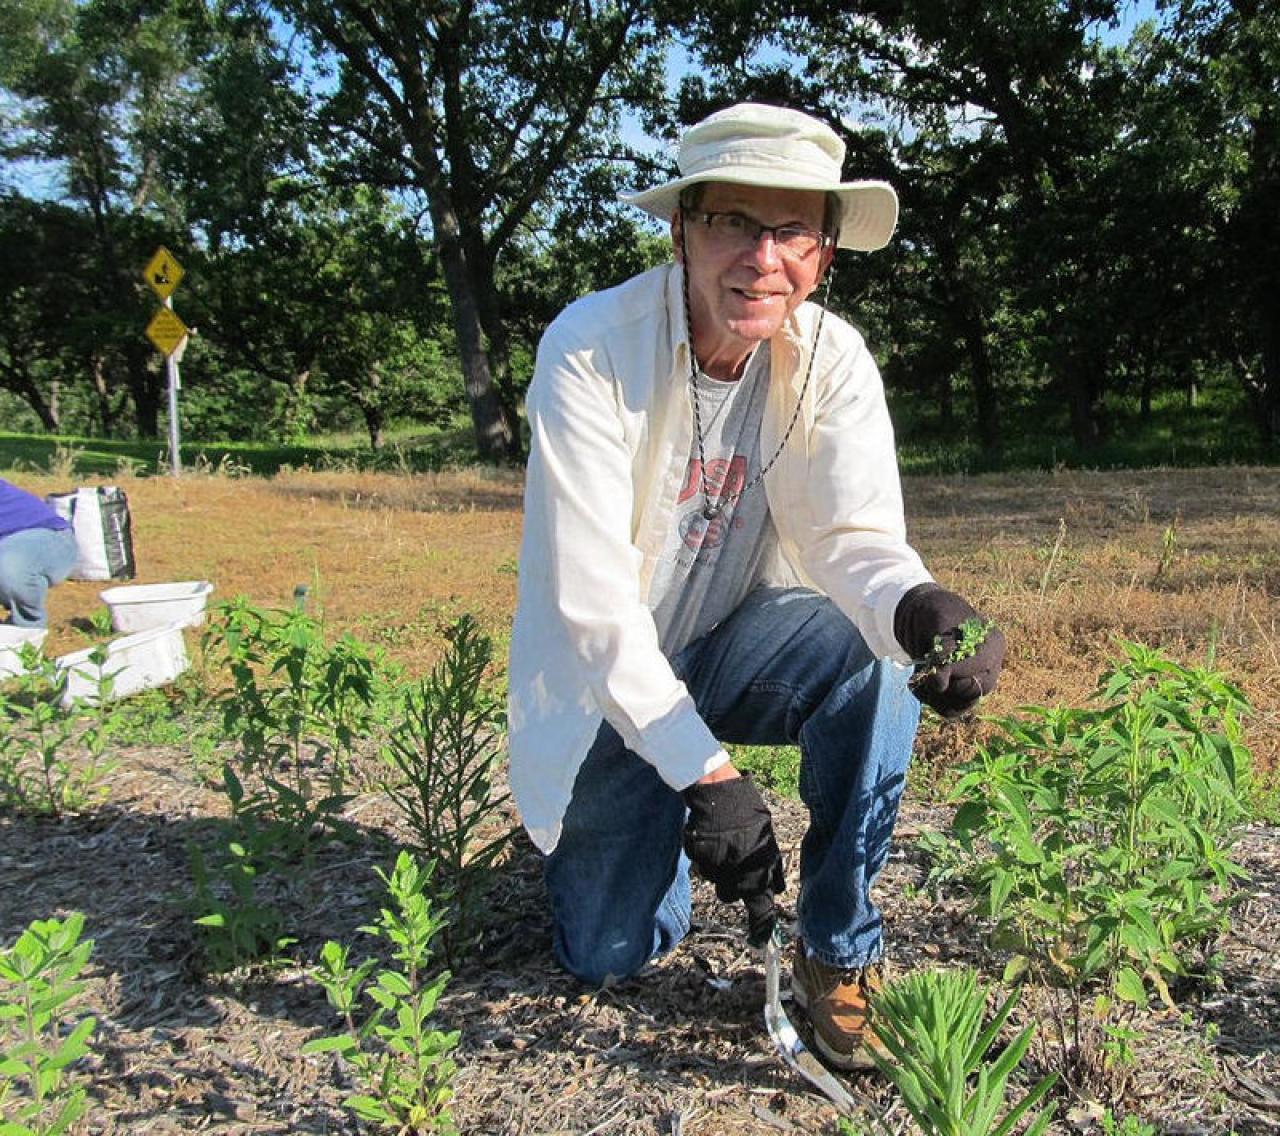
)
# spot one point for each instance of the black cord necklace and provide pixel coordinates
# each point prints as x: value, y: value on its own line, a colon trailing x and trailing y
x: 712, y: 509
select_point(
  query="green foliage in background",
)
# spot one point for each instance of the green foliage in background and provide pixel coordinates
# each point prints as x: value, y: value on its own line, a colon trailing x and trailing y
x: 341, y: 276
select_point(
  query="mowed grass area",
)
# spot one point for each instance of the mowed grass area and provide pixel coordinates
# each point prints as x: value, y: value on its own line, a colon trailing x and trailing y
x: 1188, y: 560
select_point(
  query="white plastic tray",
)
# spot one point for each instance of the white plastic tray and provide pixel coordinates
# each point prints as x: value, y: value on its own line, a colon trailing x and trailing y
x: 140, y: 607
x: 135, y: 662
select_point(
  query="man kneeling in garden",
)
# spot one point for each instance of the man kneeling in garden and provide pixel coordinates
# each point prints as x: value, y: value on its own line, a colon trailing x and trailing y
x: 714, y: 552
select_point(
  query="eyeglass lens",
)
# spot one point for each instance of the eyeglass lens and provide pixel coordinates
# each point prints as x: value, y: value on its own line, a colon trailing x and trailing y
x: 741, y: 230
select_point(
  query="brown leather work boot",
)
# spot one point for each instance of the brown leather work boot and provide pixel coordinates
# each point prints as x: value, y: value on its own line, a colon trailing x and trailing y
x: 837, y: 1004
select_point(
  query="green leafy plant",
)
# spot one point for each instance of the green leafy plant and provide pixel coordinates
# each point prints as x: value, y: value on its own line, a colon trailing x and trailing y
x: 38, y: 737
x: 97, y: 626
x: 40, y: 1036
x: 1099, y: 838
x: 236, y: 928
x: 1129, y: 1126
x: 931, y: 1025
x: 971, y: 634
x: 778, y: 767
x: 441, y: 761
x: 399, y: 1058
x: 295, y: 707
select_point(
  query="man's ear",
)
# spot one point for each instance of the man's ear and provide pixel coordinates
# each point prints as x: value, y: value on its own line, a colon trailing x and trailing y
x: 824, y: 265
x: 828, y: 255
x: 677, y: 234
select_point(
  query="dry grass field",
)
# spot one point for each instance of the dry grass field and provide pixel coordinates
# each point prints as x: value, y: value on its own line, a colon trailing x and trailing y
x: 1185, y: 559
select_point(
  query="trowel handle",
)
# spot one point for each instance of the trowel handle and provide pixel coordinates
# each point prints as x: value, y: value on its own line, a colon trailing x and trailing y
x: 762, y: 914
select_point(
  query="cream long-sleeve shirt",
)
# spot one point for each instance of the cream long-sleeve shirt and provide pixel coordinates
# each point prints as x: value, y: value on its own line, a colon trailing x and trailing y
x: 611, y: 425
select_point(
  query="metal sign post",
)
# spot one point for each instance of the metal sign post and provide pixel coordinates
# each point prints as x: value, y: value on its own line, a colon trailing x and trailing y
x: 169, y: 335
x: 171, y: 374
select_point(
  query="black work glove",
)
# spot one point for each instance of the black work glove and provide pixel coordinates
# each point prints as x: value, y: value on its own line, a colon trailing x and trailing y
x: 729, y: 837
x: 927, y: 624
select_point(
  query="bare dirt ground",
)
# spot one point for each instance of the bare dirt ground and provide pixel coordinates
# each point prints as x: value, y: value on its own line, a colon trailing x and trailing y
x: 1184, y: 559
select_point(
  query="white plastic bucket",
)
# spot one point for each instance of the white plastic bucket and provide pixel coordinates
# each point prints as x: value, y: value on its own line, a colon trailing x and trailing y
x: 135, y: 662
x: 11, y: 643
x: 140, y: 607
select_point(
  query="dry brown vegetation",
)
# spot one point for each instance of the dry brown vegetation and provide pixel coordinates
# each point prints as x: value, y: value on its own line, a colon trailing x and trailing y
x: 1189, y: 560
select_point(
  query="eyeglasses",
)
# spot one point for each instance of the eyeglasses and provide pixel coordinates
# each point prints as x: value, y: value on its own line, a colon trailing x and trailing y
x: 740, y: 232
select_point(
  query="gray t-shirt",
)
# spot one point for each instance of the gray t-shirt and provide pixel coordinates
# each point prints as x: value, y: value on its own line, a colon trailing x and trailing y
x: 707, y: 567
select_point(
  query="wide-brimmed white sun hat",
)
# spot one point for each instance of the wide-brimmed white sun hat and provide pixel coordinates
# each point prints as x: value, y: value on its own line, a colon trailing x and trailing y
x: 775, y: 147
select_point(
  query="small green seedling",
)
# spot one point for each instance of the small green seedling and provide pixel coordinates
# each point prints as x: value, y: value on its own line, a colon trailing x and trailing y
x: 969, y: 636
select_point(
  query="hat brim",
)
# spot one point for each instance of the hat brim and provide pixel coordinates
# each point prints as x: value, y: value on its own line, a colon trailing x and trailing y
x: 869, y: 208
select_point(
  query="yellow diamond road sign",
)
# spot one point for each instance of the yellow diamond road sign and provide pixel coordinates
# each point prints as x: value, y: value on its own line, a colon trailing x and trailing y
x: 163, y: 273
x: 166, y: 331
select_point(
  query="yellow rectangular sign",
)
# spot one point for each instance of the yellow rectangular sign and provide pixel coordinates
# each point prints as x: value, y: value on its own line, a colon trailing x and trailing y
x: 166, y: 331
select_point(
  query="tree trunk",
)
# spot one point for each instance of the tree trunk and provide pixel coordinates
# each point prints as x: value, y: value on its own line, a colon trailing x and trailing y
x: 981, y: 374
x: 1084, y: 396
x: 144, y: 388
x: 98, y: 373
x: 496, y: 440
x: 46, y: 410
x: 946, y: 403
x: 498, y: 339
x: 1268, y: 402
x: 374, y: 421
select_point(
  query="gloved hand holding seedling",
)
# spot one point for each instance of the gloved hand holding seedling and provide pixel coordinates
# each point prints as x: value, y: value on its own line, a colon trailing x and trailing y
x: 958, y: 654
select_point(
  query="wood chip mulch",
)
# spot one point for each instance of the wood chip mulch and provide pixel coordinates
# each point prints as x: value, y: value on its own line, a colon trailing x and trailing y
x: 679, y: 1050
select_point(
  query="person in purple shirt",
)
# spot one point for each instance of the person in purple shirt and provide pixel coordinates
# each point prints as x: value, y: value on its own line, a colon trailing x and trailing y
x: 37, y: 550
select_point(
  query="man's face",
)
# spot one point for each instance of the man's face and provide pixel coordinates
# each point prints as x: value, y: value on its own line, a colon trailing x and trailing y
x: 740, y: 293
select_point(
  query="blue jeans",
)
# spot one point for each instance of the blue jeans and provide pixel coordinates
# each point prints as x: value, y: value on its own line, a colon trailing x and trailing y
x: 787, y: 667
x: 32, y: 561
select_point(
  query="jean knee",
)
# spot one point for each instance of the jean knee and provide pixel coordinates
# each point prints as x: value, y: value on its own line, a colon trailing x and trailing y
x: 611, y: 932
x: 602, y: 956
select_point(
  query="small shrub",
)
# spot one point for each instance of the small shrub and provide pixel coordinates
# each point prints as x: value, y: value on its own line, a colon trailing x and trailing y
x: 441, y: 761
x: 294, y: 708
x: 38, y: 736
x: 400, y: 1060
x: 1099, y: 839
x: 236, y: 928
